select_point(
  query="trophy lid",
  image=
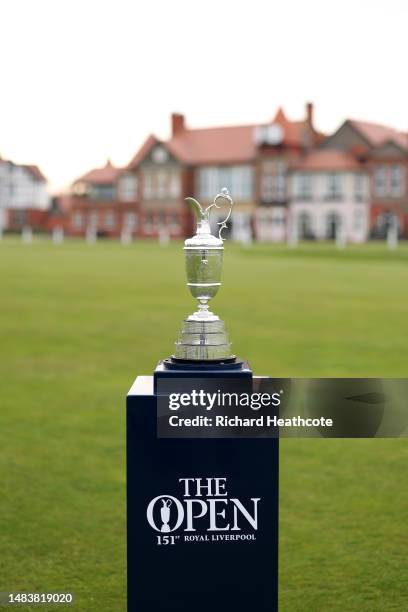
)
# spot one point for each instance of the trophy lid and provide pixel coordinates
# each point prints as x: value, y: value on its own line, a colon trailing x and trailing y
x: 203, y: 237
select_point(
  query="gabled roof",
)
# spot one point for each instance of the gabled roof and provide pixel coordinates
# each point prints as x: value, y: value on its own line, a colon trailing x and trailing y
x: 328, y: 160
x: 224, y: 145
x: 148, y: 144
x: 295, y: 131
x: 232, y: 144
x: 100, y: 176
x: 376, y: 134
x: 35, y: 172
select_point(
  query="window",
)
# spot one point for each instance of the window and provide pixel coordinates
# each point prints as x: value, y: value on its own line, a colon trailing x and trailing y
x: 358, y: 219
x: 303, y: 186
x: 162, y: 218
x: 128, y: 188
x: 109, y: 220
x: 396, y: 180
x: 102, y: 192
x: 77, y: 220
x: 359, y: 187
x: 379, y: 181
x: 333, y: 222
x: 175, y: 221
x: 280, y: 180
x: 278, y: 217
x: 130, y: 220
x: 174, y: 185
x: 159, y: 155
x: 148, y: 189
x: 80, y: 189
x: 268, y: 187
x: 241, y: 182
x: 334, y: 186
x: 280, y: 187
x: 161, y: 184
x: 305, y: 226
x: 148, y: 222
x: 273, y: 181
x: 237, y: 179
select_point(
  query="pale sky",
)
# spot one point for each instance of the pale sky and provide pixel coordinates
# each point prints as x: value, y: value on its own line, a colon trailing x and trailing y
x: 84, y: 80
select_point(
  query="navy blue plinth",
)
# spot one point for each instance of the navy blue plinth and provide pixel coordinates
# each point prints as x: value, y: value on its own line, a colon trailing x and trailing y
x: 224, y: 574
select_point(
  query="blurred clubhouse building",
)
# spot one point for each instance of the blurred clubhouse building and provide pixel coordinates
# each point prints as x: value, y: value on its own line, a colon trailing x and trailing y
x: 284, y: 176
x: 24, y: 200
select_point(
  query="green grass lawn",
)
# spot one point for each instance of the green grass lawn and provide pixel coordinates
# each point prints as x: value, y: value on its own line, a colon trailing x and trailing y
x: 79, y: 322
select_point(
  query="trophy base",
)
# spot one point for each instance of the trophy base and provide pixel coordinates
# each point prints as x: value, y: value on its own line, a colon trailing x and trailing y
x: 204, y: 341
x: 232, y: 363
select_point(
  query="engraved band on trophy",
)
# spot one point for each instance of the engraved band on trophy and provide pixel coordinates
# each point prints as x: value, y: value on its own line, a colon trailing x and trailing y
x: 203, y: 336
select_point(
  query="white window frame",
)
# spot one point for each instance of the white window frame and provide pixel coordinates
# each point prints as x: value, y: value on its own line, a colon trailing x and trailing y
x: 396, y: 187
x: 148, y: 185
x: 334, y: 186
x: 237, y: 179
x: 359, y: 186
x: 161, y: 184
x: 174, y: 184
x: 128, y: 187
x: 380, y: 181
x: 304, y: 186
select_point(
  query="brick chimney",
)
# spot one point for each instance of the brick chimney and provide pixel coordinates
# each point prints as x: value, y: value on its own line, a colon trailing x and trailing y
x: 177, y: 124
x: 309, y: 113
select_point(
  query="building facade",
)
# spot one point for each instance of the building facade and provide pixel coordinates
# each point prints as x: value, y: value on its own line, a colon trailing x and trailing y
x: 284, y: 176
x: 329, y: 195
x: 24, y: 199
x: 252, y: 161
x: 384, y: 152
x: 104, y: 202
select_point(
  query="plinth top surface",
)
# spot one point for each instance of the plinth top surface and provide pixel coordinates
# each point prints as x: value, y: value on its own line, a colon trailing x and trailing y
x: 143, y: 385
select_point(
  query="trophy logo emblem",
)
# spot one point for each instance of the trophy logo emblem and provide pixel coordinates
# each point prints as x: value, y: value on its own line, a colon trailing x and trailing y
x: 165, y: 515
x: 203, y: 337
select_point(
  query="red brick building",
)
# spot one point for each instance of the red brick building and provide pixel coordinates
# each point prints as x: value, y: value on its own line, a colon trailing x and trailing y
x: 104, y: 200
x: 268, y: 169
x: 252, y: 161
x: 384, y: 151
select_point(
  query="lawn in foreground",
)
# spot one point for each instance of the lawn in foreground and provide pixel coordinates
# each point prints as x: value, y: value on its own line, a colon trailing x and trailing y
x: 79, y: 322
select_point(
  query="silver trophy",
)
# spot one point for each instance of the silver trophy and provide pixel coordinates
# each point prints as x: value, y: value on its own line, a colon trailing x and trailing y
x: 203, y: 336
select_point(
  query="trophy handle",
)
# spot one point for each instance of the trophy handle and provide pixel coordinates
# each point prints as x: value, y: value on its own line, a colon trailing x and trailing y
x: 204, y: 215
x: 224, y: 195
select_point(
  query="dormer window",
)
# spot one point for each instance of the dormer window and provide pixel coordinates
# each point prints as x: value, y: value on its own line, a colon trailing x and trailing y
x: 159, y: 155
x: 80, y: 189
x: 269, y: 134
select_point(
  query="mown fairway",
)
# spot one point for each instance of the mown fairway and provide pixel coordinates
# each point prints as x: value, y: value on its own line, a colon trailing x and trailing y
x: 79, y: 322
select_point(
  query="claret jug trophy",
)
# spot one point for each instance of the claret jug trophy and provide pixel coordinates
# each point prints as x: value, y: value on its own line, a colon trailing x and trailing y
x: 203, y: 337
